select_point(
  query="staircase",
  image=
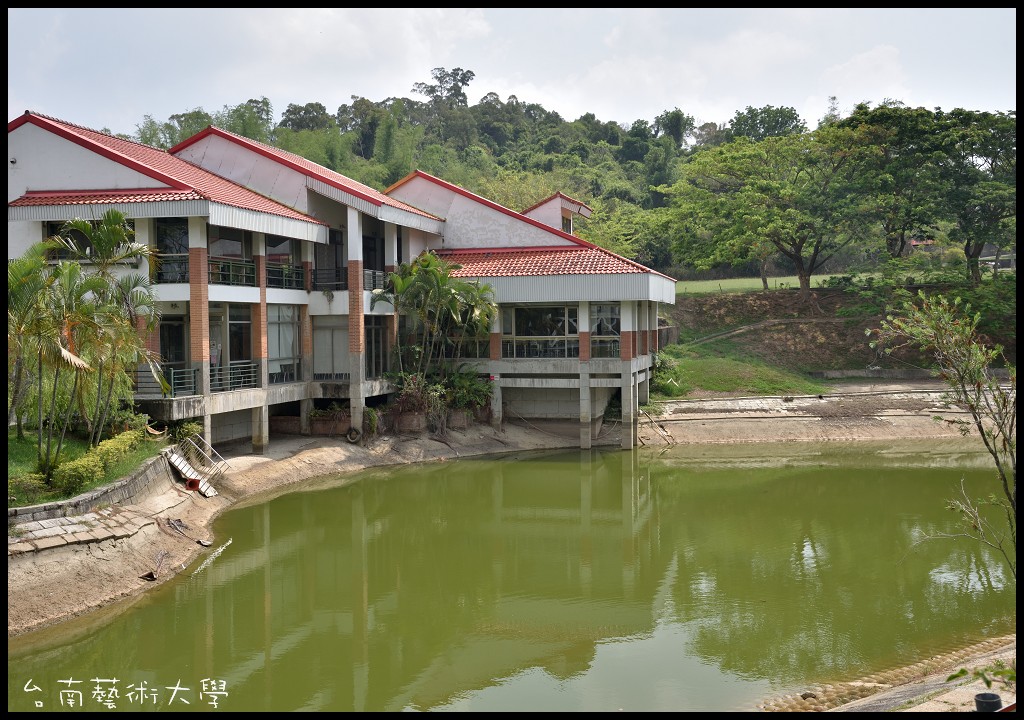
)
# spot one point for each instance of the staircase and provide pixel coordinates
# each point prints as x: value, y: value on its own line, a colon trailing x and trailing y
x: 198, y: 464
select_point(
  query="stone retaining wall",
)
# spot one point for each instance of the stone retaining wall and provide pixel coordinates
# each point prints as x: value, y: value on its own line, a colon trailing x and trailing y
x: 125, y: 491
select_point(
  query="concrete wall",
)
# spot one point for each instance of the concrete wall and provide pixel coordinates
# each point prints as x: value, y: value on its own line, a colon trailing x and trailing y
x: 228, y: 426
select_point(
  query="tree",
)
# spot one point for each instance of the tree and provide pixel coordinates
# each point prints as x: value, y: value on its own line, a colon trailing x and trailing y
x: 27, y: 281
x: 676, y: 125
x: 800, y: 193
x: 311, y: 116
x: 125, y: 304
x: 948, y: 331
x: 253, y: 119
x: 450, y: 88
x: 64, y: 332
x: 765, y: 122
x: 906, y: 174
x: 979, y: 168
x: 441, y: 312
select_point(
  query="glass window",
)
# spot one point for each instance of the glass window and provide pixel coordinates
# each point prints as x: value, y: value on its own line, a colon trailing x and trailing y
x: 540, y: 331
x: 283, y: 343
x: 172, y: 236
x: 230, y: 243
x: 282, y: 250
x: 604, y: 330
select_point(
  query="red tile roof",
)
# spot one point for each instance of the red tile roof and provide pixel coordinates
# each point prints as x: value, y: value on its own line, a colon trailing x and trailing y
x: 187, y: 179
x: 78, y: 197
x: 540, y: 261
x: 306, y: 167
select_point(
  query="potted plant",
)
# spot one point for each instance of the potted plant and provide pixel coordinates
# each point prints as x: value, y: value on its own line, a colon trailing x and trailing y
x: 466, y: 394
x: 419, y: 404
x: 331, y: 421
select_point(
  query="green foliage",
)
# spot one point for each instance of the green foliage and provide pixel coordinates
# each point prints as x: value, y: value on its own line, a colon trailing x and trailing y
x: 28, y: 489
x: 416, y: 393
x: 72, y: 477
x: 83, y: 469
x: 467, y: 390
x: 947, y: 330
x: 184, y: 429
x: 371, y: 422
x: 998, y: 671
x: 680, y: 370
x: 334, y: 411
x: 113, y: 449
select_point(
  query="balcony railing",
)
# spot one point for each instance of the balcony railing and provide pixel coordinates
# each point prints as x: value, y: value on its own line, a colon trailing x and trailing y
x: 182, y: 381
x: 331, y: 376
x: 287, y: 372
x: 238, y: 374
x: 232, y: 272
x: 330, y: 279
x: 288, y: 277
x: 541, y: 347
x: 374, y: 279
x: 172, y: 268
x: 604, y: 347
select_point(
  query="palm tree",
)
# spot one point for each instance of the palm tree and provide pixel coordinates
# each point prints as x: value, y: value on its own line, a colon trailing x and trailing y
x: 27, y: 280
x: 108, y: 245
x: 67, y: 321
x: 134, y: 300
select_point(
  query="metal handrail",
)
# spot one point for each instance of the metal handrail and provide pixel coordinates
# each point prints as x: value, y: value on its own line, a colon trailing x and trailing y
x: 202, y: 457
x: 330, y: 278
x: 288, y: 277
x: 237, y: 375
x: 224, y: 271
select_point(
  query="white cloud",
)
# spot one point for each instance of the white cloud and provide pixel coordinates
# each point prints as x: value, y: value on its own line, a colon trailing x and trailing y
x: 106, y: 67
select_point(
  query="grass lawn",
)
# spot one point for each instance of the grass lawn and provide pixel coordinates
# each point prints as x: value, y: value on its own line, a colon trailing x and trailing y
x: 700, y: 287
x: 686, y: 369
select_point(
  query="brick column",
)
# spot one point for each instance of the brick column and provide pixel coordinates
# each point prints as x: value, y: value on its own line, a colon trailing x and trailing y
x: 199, y: 315
x: 627, y: 345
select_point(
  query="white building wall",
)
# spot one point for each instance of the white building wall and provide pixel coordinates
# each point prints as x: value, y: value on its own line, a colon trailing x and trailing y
x: 259, y: 173
x: 473, y: 224
x: 39, y: 160
x: 550, y: 213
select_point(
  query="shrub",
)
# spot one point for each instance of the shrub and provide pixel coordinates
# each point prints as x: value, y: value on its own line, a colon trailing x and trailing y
x: 26, y: 489
x: 72, y: 476
x: 467, y: 391
x: 371, y: 422
x: 113, y: 449
x: 185, y: 429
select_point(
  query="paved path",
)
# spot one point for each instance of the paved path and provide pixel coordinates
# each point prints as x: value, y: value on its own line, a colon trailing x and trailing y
x: 113, y: 523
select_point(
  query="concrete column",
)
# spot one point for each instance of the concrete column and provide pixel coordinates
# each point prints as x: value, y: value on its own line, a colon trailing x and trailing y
x: 199, y: 313
x: 260, y: 419
x: 496, y: 401
x: 586, y: 421
x: 306, y: 358
x: 629, y: 406
x: 390, y: 247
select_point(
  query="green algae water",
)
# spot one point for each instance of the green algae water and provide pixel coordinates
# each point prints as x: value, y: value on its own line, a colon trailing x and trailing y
x: 681, y: 579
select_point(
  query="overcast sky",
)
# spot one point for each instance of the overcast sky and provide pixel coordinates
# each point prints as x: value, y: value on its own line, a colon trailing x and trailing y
x: 108, y: 68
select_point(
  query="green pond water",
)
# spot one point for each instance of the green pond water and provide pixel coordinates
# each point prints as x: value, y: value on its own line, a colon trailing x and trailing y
x: 684, y: 579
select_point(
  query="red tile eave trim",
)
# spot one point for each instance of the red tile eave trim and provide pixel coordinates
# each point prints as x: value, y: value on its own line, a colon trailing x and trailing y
x: 490, y: 204
x: 561, y: 195
x: 64, y: 132
x: 446, y: 252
